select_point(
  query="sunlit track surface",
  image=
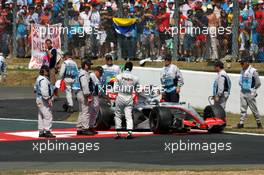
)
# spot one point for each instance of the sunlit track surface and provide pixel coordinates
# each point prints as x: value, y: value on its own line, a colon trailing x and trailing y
x: 146, y: 148
x: 17, y: 144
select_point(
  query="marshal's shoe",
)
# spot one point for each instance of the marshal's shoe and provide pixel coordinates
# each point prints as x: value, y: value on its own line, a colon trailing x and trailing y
x: 41, y: 134
x: 129, y: 137
x: 118, y: 137
x: 85, y: 132
x: 48, y: 134
x: 240, y: 126
x: 93, y: 130
x: 259, y: 125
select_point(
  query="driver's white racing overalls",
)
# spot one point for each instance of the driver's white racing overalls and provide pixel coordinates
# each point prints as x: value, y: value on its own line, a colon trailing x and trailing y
x: 125, y: 86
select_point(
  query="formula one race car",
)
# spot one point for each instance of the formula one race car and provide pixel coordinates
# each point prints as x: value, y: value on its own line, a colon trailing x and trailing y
x: 165, y: 117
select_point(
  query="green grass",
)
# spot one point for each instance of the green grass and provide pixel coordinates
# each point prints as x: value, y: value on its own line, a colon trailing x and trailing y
x: 250, y: 124
x: 20, y: 78
x: 232, y: 67
x: 241, y: 171
x: 73, y: 117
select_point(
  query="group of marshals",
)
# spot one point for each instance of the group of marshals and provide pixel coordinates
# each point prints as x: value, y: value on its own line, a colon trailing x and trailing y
x: 88, y: 87
x: 249, y: 82
x: 88, y: 98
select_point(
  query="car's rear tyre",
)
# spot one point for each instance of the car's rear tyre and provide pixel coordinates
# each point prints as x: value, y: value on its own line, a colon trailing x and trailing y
x: 160, y: 120
x: 105, y: 118
x: 215, y: 111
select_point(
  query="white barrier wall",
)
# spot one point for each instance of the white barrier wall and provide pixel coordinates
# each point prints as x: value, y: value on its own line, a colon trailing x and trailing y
x: 198, y: 86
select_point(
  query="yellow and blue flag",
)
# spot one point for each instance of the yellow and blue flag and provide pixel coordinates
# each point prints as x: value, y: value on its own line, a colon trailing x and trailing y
x: 124, y: 26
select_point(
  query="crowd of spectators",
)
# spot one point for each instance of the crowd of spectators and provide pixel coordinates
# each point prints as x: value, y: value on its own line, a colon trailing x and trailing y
x: 152, y: 36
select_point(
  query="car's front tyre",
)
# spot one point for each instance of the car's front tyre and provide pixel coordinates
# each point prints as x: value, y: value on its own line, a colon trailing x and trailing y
x: 160, y: 119
x: 215, y: 111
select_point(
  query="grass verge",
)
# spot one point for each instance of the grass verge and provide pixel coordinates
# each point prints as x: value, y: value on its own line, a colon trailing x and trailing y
x: 20, y: 78
x: 250, y: 124
x: 232, y: 67
x: 228, y: 172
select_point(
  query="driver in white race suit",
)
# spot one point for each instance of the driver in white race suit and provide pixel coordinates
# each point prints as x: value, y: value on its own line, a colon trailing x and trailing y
x: 125, y: 85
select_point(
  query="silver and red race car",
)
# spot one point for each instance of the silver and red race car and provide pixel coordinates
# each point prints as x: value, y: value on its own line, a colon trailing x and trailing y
x: 164, y: 117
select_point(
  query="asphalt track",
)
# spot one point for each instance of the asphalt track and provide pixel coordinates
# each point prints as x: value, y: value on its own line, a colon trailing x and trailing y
x: 20, y: 103
x: 144, y: 151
